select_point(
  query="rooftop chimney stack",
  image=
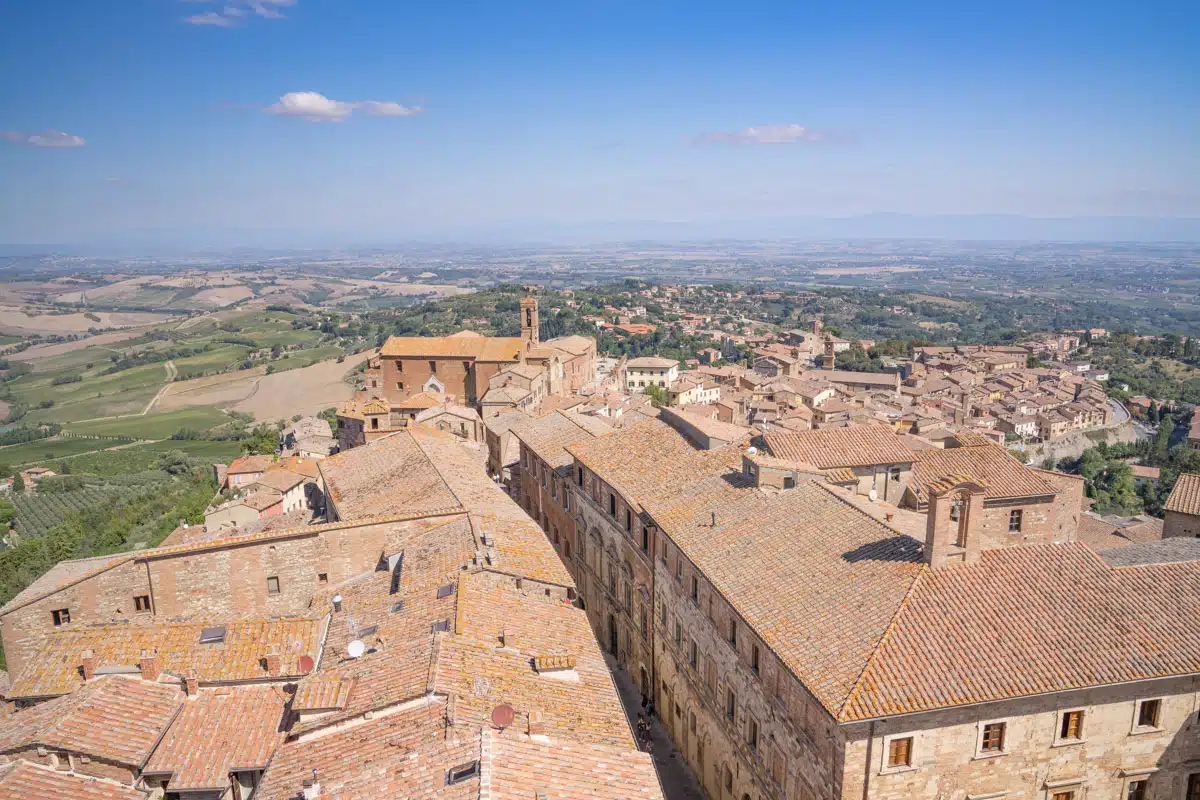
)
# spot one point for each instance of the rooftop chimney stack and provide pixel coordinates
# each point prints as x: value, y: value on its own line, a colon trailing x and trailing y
x: 149, y: 665
x: 191, y: 684
x: 274, y: 660
x: 87, y: 664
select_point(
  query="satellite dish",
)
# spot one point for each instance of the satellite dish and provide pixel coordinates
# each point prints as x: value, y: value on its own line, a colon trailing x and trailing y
x: 502, y: 715
x: 873, y: 495
x: 356, y: 648
x: 306, y: 664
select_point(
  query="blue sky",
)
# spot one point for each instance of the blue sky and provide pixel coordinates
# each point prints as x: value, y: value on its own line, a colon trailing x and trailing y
x: 356, y: 121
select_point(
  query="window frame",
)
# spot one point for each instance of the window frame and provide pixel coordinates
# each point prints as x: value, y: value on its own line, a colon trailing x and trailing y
x: 1060, y: 721
x: 886, y: 767
x: 60, y: 616
x: 1138, y: 727
x: 1016, y: 515
x: 278, y: 586
x: 980, y: 739
x: 141, y: 603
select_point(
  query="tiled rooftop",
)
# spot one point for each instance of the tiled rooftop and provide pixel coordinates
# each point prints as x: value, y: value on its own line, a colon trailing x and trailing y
x: 856, y: 446
x: 1001, y: 475
x: 118, y: 718
x: 222, y: 729
x: 480, y: 348
x: 21, y: 780
x: 53, y: 666
x: 353, y: 479
x: 1100, y: 534
x: 549, y: 436
x: 1164, y: 551
x: 1185, y: 497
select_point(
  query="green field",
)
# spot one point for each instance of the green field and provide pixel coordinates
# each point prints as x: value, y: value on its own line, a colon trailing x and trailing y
x: 154, y: 426
x: 305, y: 358
x: 142, y: 457
x: 214, y: 360
x: 50, y: 449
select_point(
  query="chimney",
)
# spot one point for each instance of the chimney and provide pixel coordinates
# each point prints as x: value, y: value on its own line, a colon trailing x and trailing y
x: 87, y: 664
x: 337, y: 603
x: 274, y: 660
x: 509, y: 637
x: 191, y: 684
x: 149, y: 665
x: 954, y: 522
x: 311, y: 787
x: 537, y: 723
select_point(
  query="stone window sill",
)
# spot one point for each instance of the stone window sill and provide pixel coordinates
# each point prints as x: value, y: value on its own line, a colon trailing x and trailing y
x: 1068, y: 742
x: 990, y: 754
x: 898, y: 770
x: 1141, y: 731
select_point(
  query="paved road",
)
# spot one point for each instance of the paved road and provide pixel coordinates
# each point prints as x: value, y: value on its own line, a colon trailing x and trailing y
x: 1120, y: 413
x: 676, y: 778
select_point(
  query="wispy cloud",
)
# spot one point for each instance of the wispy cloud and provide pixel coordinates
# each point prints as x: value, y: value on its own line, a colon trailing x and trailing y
x: 773, y: 134
x: 234, y: 10
x: 47, y: 138
x: 316, y: 107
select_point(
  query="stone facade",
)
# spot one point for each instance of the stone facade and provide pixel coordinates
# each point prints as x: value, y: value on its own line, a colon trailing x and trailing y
x: 1176, y: 523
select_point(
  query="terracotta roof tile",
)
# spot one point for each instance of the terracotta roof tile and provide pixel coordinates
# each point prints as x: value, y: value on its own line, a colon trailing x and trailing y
x: 117, y: 718
x: 220, y: 730
x: 1185, y: 496
x: 549, y: 436
x: 1030, y: 620
x: 53, y: 667
x: 21, y: 780
x: 855, y: 446
x: 1000, y: 473
x: 353, y: 479
x: 480, y: 348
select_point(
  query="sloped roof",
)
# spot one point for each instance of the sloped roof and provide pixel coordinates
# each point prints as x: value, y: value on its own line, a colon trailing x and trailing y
x: 480, y: 348
x: 651, y: 362
x: 53, y: 666
x: 854, y: 446
x: 550, y: 436
x: 993, y: 466
x: 117, y: 718
x: 1185, y: 496
x: 21, y: 780
x: 222, y: 729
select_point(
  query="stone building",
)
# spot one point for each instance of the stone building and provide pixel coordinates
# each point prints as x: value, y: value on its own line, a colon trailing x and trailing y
x: 650, y: 371
x: 413, y: 374
x: 426, y: 640
x: 878, y: 458
x: 899, y: 664
x: 1181, y: 514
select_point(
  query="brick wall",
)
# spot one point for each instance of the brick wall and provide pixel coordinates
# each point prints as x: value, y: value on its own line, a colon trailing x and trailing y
x: 453, y: 373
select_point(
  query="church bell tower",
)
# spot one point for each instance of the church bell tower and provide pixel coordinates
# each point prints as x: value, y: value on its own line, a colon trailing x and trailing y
x: 529, y: 320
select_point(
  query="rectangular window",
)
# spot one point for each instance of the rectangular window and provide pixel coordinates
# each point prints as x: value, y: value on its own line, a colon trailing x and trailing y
x: 1071, y: 726
x: 754, y: 658
x: 141, y: 602
x: 612, y: 505
x: 1014, y: 521
x: 273, y: 585
x: 993, y: 738
x: 61, y: 616
x: 400, y: 385
x: 730, y: 705
x: 710, y: 676
x: 322, y: 577
x: 752, y: 735
x: 1069, y: 795
x: 433, y: 366
x: 628, y: 521
x: 679, y: 566
x: 1136, y: 790
x: 662, y: 614
x: 1148, y: 713
x: 733, y: 633
x: 695, y: 589
x: 579, y: 477
x: 642, y: 618
x: 678, y: 633
x: 693, y: 654
x: 399, y: 365
x: 1193, y: 787
x: 463, y: 772
x: 645, y: 540
x: 789, y: 482
x: 894, y: 474
x: 900, y: 752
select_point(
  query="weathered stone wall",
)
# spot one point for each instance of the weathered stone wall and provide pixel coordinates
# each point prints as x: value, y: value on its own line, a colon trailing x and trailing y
x: 1176, y: 524
x: 1035, y: 763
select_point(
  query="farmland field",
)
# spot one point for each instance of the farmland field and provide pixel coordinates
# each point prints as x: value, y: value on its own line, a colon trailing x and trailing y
x: 140, y: 457
x: 38, y: 512
x: 50, y: 449
x: 154, y: 426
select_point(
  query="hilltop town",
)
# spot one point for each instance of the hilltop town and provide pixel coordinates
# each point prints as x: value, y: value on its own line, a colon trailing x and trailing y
x: 510, y: 562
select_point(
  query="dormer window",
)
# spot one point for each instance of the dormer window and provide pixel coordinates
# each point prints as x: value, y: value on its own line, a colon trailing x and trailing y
x: 61, y: 616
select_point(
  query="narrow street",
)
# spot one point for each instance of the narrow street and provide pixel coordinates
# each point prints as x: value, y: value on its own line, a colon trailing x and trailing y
x: 677, y: 779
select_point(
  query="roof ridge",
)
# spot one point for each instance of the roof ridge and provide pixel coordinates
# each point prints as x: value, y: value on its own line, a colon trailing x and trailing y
x: 113, y: 564
x: 438, y: 469
x: 883, y: 639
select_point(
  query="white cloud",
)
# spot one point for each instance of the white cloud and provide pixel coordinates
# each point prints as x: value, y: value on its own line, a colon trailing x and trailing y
x: 228, y: 16
x: 209, y: 18
x: 316, y: 107
x: 47, y: 138
x: 772, y: 134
